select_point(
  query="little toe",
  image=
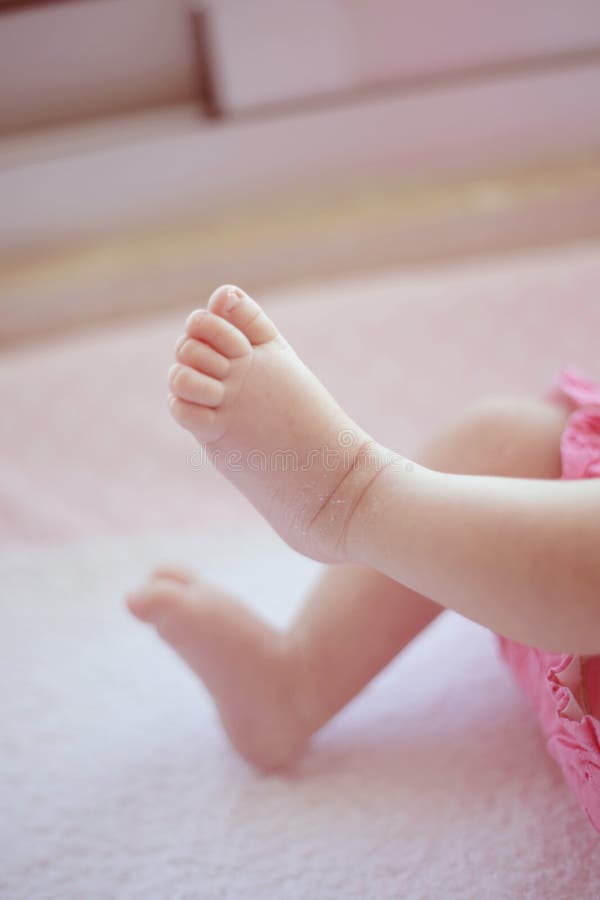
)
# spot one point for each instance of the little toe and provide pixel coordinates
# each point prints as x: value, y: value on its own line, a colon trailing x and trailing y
x: 203, y: 421
x: 234, y: 305
x: 195, y: 387
x: 218, y: 333
x: 200, y: 356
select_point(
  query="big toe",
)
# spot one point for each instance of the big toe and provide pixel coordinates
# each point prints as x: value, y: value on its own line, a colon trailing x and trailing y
x: 163, y: 602
x: 233, y: 304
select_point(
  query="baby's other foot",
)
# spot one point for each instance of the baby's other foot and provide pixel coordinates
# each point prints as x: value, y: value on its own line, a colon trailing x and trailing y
x: 269, y: 425
x: 252, y: 671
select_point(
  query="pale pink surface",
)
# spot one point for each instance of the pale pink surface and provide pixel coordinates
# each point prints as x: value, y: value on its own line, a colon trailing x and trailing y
x: 116, y: 779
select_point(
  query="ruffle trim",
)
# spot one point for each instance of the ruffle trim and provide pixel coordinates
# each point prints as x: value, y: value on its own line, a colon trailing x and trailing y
x: 571, y: 686
x: 575, y: 744
x: 580, y: 443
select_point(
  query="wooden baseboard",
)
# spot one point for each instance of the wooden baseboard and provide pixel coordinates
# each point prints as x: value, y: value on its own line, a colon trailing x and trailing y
x: 300, y: 238
x: 88, y: 184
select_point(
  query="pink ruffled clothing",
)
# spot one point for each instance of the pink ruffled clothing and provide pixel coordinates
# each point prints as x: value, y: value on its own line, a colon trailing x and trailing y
x: 563, y: 688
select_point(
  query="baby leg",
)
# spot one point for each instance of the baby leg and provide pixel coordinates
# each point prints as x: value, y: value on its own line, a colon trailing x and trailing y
x: 273, y: 690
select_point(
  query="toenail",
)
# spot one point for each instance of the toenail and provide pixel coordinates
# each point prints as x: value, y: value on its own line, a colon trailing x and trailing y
x: 174, y: 372
x: 234, y: 295
x: 180, y: 341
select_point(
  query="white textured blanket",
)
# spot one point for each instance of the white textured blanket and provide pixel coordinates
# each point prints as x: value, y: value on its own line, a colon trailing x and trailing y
x: 117, y: 781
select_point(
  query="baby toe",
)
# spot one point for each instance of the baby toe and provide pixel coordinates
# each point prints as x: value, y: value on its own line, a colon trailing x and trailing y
x: 195, y: 387
x: 203, y: 421
x: 218, y: 333
x: 201, y: 357
x: 234, y: 305
x: 156, y: 600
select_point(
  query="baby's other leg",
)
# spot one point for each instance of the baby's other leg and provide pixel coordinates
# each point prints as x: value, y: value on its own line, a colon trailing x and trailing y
x: 274, y: 690
x: 357, y: 619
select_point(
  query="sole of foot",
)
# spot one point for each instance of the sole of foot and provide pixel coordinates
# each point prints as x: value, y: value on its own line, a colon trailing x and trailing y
x: 269, y: 425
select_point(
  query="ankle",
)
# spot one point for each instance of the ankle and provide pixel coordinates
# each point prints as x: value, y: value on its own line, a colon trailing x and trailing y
x: 276, y: 737
x: 335, y: 519
x: 305, y: 694
x: 384, y: 508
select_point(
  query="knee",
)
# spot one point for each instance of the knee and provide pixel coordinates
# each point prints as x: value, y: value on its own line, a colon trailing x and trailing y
x: 501, y: 436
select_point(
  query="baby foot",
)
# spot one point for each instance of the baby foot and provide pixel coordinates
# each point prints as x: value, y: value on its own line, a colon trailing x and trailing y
x: 269, y: 425
x: 252, y: 671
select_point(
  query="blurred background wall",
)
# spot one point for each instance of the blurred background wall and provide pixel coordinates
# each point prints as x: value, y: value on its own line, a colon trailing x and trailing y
x: 149, y: 149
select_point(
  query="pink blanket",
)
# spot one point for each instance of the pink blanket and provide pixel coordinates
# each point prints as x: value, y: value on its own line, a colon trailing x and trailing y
x: 116, y: 779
